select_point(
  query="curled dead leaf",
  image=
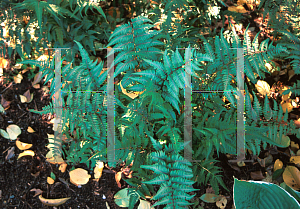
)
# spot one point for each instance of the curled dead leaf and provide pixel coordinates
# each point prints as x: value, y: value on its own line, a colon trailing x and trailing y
x: 53, y: 202
x: 118, y: 177
x: 79, y: 176
x: 18, y: 78
x: 37, y: 192
x: 26, y: 153
x: 22, y: 145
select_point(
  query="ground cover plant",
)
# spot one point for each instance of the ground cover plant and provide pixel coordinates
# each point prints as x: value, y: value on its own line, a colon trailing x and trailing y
x: 152, y: 43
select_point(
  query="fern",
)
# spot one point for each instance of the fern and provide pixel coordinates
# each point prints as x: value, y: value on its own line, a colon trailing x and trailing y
x: 173, y: 176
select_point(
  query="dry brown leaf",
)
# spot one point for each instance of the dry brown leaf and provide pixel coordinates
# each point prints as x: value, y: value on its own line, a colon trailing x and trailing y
x: 37, y: 78
x: 256, y: 175
x: 10, y: 153
x: 118, y: 177
x: 278, y: 165
x: 53, y: 202
x: 22, y: 145
x: 50, y: 180
x: 36, y: 192
x: 5, y: 104
x: 222, y: 202
x: 26, y: 153
x: 79, y: 176
x: 291, y: 177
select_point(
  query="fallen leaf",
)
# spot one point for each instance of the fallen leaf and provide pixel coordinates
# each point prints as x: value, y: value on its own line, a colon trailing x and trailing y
x: 63, y: 167
x: 50, y: 180
x: 144, y: 205
x: 3, y: 62
x: 13, y: 131
x: 222, y: 203
x: 53, y: 202
x: 54, y: 158
x: 10, y: 153
x: 18, y: 78
x: 263, y: 87
x: 37, y: 78
x: 294, y: 145
x: 79, y: 176
x: 209, y: 198
x: 5, y: 103
x: 291, y: 177
x: 98, y: 170
x: 295, y: 159
x: 26, y: 153
x: 36, y: 191
x: 287, y: 106
x: 118, y: 177
x: 278, y: 165
x: 30, y: 130
x: 22, y: 145
x: 26, y: 97
x: 107, y: 206
x: 256, y: 175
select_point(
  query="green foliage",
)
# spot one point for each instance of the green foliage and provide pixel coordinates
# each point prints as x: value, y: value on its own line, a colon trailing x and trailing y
x: 152, y: 62
x: 257, y: 194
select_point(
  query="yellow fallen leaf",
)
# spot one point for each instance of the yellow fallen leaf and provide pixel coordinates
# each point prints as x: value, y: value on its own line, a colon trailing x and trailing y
x: 23, y: 99
x: 98, y: 170
x: 291, y: 177
x: 53, y: 202
x: 22, y: 145
x: 263, y: 87
x: 18, y: 78
x: 294, y: 145
x: 63, y: 167
x: 278, y: 165
x: 50, y: 180
x: 30, y: 130
x: 287, y: 96
x: 79, y: 176
x: 295, y: 159
x: 26, y: 153
x: 37, y: 78
x: 287, y: 106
